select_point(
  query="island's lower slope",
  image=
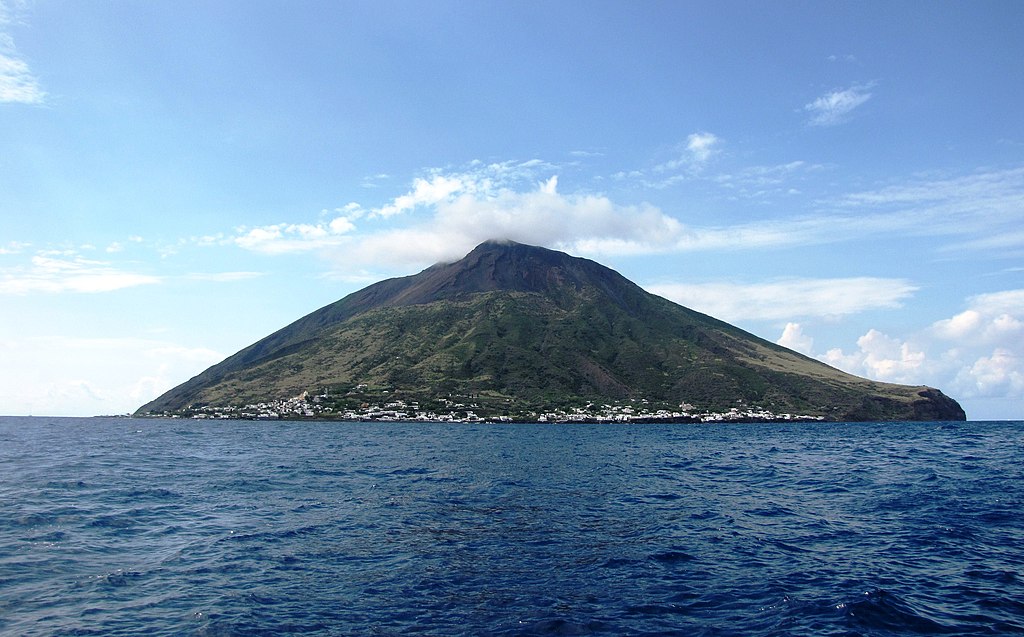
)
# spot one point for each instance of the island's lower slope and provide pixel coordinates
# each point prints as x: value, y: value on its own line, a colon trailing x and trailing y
x: 516, y: 330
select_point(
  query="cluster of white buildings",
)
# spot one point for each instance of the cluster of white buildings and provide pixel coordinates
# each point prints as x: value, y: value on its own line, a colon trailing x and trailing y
x: 304, y: 407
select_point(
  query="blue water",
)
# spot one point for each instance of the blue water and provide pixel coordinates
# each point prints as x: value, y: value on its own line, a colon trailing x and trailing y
x: 128, y: 527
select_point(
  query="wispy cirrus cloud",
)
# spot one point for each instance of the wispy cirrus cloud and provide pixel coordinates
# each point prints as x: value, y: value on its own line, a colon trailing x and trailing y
x: 767, y: 182
x: 787, y: 299
x: 56, y: 273
x: 284, y: 238
x: 985, y: 209
x: 1001, y: 189
x: 757, y: 181
x: 375, y: 181
x: 835, y: 106
x: 17, y: 82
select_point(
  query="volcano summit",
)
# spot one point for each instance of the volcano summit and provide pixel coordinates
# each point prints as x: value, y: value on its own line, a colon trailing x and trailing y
x: 515, y: 331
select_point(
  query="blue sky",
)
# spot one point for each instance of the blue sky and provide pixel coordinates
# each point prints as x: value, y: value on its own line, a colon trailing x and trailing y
x: 179, y: 179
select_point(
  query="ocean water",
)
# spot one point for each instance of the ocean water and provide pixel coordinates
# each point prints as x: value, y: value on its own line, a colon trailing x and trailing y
x: 161, y: 527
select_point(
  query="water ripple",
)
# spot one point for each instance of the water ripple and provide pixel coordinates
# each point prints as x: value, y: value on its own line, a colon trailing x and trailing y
x: 118, y: 527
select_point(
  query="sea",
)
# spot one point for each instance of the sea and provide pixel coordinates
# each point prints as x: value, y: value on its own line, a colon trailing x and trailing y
x: 178, y: 527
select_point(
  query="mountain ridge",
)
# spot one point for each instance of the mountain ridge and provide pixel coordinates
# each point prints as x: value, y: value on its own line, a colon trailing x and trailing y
x: 533, y: 328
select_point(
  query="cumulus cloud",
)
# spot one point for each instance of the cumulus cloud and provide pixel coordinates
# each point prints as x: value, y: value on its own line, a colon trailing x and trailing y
x: 788, y: 298
x: 794, y: 338
x: 1000, y: 374
x: 834, y: 107
x: 68, y: 273
x: 975, y: 354
x: 998, y: 303
x: 882, y: 357
x: 987, y: 340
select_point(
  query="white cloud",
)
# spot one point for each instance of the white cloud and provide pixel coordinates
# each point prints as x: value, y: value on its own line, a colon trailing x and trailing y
x: 449, y: 213
x: 425, y: 192
x: 340, y: 225
x: 879, y: 356
x: 48, y: 273
x: 834, y: 107
x: 543, y: 216
x: 884, y: 358
x: 1008, y: 301
x: 959, y: 326
x: 787, y: 299
x: 69, y: 376
x: 374, y: 181
x: 1000, y: 374
x: 794, y: 338
x: 13, y: 247
x: 701, y: 145
x: 699, y: 148
x: 17, y: 82
x: 445, y: 214
x: 987, y: 340
x: 991, y: 319
x: 986, y: 208
x: 1009, y: 242
x: 284, y: 238
x: 998, y: 191
x: 484, y: 187
x: 976, y: 355
x: 764, y: 183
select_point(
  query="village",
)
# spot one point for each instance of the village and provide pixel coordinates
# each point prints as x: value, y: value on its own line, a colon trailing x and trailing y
x: 304, y: 407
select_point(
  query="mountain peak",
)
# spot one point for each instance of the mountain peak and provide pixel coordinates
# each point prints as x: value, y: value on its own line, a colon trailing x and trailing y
x: 525, y: 325
x: 510, y: 247
x: 501, y: 265
x: 512, y: 254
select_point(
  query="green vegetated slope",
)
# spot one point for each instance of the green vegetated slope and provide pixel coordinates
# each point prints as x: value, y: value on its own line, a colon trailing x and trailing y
x: 521, y: 328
